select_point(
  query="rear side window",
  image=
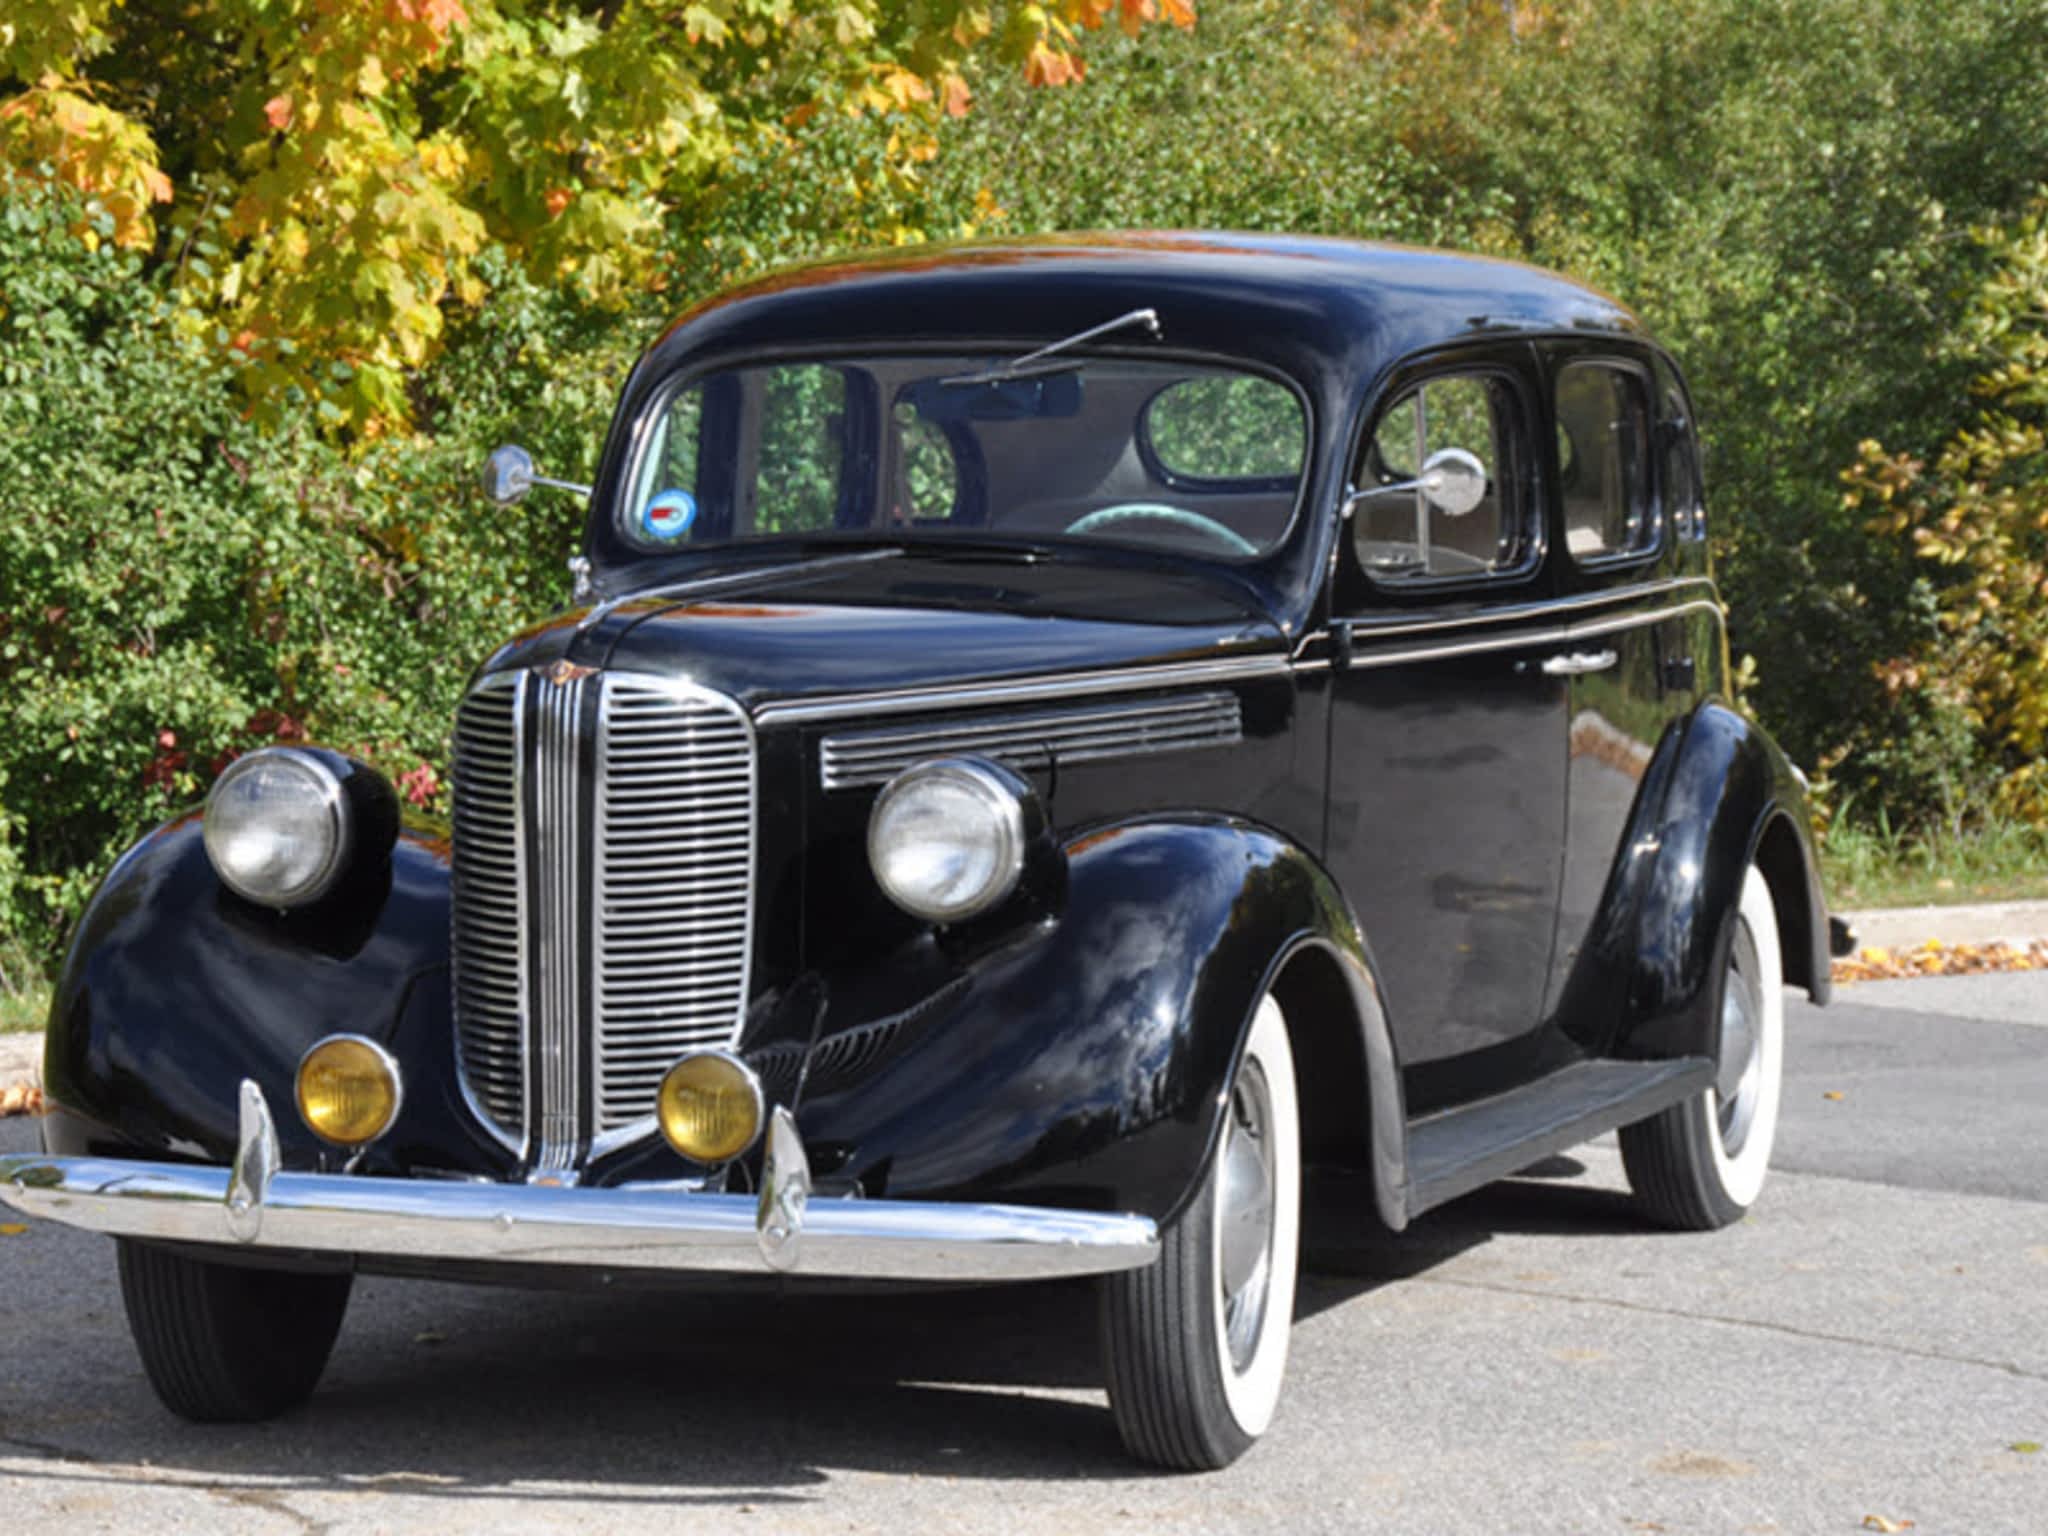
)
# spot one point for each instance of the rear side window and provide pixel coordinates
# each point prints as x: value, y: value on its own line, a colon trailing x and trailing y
x: 1403, y: 535
x: 1603, y: 461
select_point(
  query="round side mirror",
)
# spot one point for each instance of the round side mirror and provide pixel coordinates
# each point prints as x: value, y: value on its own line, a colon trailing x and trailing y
x: 508, y: 475
x: 1453, y: 480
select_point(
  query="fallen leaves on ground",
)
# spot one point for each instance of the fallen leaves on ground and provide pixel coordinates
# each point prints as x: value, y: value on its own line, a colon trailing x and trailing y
x: 1935, y: 958
x: 1879, y: 1523
x: 20, y: 1099
x: 13, y: 1228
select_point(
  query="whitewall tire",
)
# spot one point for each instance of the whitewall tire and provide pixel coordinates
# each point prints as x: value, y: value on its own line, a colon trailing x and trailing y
x: 1701, y: 1164
x: 1196, y: 1344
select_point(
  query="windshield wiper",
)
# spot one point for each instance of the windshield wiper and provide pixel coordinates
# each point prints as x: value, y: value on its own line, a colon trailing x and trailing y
x: 1028, y: 366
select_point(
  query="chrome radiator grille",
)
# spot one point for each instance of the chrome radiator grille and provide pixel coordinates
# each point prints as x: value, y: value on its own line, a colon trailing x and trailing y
x: 604, y: 850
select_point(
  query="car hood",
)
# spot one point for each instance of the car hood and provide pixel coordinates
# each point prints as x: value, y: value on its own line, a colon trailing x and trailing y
x: 879, y: 622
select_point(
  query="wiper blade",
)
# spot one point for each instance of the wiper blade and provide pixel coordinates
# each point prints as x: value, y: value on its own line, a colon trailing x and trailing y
x: 1030, y: 364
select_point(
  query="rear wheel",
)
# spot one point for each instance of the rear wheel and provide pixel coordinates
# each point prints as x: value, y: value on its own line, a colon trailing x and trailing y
x: 1701, y: 1164
x: 1196, y: 1344
x: 224, y: 1344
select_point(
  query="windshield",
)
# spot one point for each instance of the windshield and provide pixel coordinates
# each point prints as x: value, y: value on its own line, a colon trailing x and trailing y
x: 1193, y: 457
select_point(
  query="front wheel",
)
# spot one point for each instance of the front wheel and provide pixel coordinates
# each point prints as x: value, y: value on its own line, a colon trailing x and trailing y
x: 1196, y: 1344
x: 224, y: 1344
x: 1701, y: 1164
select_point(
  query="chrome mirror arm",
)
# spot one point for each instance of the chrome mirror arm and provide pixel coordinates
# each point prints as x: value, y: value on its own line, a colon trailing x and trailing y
x: 509, y: 473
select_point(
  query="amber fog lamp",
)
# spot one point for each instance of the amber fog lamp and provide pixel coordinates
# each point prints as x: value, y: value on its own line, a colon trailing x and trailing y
x: 710, y: 1107
x: 348, y: 1090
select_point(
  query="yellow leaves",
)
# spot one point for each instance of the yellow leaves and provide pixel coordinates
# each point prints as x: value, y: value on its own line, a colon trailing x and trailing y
x: 105, y: 155
x: 339, y: 234
x: 1937, y: 959
x: 20, y: 1099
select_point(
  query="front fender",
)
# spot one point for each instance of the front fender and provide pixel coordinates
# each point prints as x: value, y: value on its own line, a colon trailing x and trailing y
x: 1730, y: 798
x: 175, y: 989
x: 1084, y: 1061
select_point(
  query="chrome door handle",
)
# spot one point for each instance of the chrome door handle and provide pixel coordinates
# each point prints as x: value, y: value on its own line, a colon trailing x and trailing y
x: 1578, y: 662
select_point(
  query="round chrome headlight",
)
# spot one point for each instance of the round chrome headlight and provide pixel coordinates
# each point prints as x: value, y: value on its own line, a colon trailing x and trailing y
x: 277, y: 827
x: 947, y: 838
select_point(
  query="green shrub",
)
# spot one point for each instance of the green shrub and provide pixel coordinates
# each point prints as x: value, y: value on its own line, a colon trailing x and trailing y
x: 180, y: 586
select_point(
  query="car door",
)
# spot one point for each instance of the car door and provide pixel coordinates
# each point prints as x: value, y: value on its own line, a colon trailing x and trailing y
x: 1645, y: 624
x: 1447, y: 794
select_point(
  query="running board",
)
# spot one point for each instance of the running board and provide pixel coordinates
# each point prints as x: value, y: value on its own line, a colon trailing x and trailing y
x: 1457, y: 1150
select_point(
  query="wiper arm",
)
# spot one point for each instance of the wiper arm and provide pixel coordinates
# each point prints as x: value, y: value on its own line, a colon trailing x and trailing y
x: 1027, y: 366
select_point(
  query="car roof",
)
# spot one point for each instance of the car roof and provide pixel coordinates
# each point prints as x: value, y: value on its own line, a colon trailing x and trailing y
x: 1294, y: 299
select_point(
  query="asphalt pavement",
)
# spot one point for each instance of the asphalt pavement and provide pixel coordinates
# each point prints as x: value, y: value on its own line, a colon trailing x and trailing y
x: 1869, y: 1348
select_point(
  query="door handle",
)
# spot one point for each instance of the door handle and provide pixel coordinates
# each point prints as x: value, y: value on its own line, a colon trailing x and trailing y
x: 1576, y: 663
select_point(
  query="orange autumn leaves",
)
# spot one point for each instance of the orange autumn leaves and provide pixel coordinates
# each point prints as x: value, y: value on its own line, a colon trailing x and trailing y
x: 1935, y: 958
x: 324, y: 178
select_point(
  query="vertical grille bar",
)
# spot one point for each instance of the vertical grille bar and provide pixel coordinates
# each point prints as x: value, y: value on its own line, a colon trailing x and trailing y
x: 489, y: 906
x: 554, y: 836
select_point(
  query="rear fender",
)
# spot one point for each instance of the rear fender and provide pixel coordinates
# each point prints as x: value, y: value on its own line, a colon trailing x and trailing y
x: 1729, y: 799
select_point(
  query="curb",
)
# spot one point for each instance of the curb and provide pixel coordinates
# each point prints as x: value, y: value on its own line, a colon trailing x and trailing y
x: 2017, y: 923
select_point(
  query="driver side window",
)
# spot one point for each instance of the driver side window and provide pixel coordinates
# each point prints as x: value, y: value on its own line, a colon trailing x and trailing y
x: 1400, y: 532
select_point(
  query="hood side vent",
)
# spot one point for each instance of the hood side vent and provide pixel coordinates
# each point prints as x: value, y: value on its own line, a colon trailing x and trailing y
x: 1082, y: 734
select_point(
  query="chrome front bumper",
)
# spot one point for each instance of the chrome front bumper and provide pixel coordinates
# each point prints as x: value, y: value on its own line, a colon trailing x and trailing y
x: 252, y: 1204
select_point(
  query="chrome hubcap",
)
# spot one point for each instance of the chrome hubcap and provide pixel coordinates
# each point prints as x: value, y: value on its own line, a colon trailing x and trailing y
x: 1244, y: 1211
x: 1737, y: 1082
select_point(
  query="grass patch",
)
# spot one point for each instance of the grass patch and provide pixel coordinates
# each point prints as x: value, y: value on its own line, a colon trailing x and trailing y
x: 24, y: 995
x: 24, y: 1012
x: 1876, y: 866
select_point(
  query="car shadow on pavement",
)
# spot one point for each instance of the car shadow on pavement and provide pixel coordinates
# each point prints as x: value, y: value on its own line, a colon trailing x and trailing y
x: 1348, y: 1257
x: 746, y: 1396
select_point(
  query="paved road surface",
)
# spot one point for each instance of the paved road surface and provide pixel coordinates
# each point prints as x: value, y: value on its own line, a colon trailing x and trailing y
x: 1872, y: 1342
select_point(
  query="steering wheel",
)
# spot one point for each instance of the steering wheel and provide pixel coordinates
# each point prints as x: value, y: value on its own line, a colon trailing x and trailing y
x: 1160, y: 512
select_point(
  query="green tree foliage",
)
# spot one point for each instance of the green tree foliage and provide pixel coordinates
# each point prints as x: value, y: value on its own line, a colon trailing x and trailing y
x: 349, y: 161
x: 181, y: 585
x: 410, y: 229
x: 1978, y: 511
x: 1782, y: 188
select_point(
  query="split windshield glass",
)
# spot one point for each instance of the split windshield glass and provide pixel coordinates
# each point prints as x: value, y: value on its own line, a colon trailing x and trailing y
x: 1195, y: 457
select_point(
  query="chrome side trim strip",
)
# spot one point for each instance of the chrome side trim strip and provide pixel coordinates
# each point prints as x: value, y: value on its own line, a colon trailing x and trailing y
x: 1090, y: 733
x: 1514, y: 640
x: 622, y: 1228
x: 1378, y: 629
x: 1062, y: 685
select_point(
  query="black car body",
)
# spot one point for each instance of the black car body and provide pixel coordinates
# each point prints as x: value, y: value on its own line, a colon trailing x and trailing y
x: 1458, y: 790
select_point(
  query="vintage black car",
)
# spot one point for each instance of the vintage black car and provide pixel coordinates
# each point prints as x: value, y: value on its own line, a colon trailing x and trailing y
x: 1053, y: 740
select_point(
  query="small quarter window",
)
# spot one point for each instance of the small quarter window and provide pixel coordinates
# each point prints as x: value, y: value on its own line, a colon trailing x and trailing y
x: 1603, y: 465
x: 1401, y: 533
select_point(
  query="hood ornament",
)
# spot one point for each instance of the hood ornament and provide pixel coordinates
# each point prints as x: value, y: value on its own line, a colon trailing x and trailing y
x: 564, y: 672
